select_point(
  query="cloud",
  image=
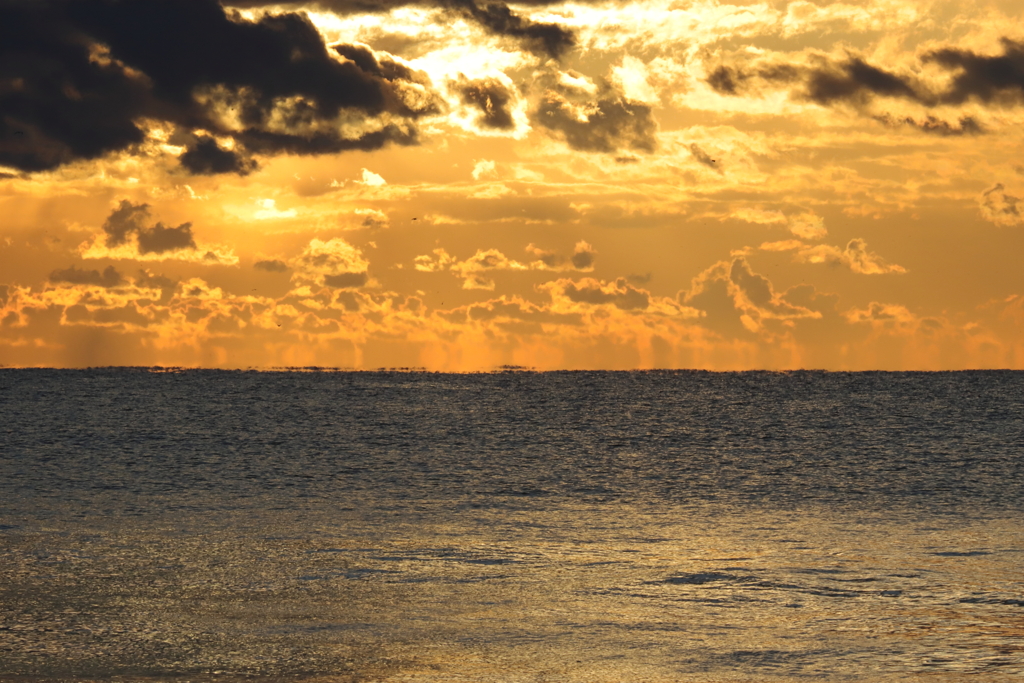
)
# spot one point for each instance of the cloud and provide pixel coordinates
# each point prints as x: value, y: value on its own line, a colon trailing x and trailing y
x: 371, y: 179
x: 130, y: 219
x: 372, y: 218
x: 127, y: 234
x: 75, y: 276
x: 582, y: 258
x: 855, y: 256
x: 965, y: 125
x: 89, y: 73
x: 159, y: 239
x: 998, y: 78
x: 472, y: 271
x: 346, y: 280
x: 483, y: 169
x: 205, y: 157
x: 271, y: 266
x: 618, y: 293
x: 989, y: 79
x: 607, y: 124
x: 737, y: 301
x: 807, y: 226
x: 855, y: 80
x: 491, y: 98
x: 497, y: 18
x: 334, y: 263
x: 1001, y: 208
x: 704, y: 158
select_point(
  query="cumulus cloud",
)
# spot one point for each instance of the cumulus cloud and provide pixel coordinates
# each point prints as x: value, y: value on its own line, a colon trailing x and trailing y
x: 736, y: 300
x: 619, y: 293
x: 128, y: 234
x: 90, y: 72
x: 371, y: 179
x: 582, y: 258
x: 373, y: 219
x: 473, y: 270
x: 334, y: 263
x: 807, y: 226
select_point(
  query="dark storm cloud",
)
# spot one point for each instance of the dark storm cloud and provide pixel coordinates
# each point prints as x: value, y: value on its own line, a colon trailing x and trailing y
x: 76, y: 76
x: 492, y: 98
x: 610, y: 124
x: 271, y: 266
x: 128, y: 219
x: 853, y: 80
x: 345, y: 280
x: 75, y: 276
x: 496, y: 17
x: 206, y: 157
x: 988, y: 79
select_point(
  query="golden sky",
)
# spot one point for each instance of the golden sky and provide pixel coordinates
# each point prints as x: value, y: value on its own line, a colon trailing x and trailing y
x: 459, y: 186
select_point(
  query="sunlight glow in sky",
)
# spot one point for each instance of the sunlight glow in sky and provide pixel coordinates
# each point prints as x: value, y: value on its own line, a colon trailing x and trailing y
x: 458, y: 186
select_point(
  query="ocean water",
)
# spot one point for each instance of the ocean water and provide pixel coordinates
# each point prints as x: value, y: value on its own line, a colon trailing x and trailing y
x: 515, y: 526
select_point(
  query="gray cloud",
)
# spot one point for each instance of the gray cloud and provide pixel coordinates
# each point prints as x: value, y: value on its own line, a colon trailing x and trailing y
x: 491, y: 98
x: 271, y: 266
x: 205, y: 157
x: 496, y: 17
x: 609, y: 124
x: 82, y: 73
x: 986, y: 79
x: 966, y: 125
x: 626, y: 297
x: 128, y: 219
x: 345, y: 280
x: 995, y: 79
x: 704, y: 158
x: 159, y: 239
x: 76, y: 276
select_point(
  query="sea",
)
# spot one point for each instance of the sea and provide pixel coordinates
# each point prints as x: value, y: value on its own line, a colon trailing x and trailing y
x: 187, y: 525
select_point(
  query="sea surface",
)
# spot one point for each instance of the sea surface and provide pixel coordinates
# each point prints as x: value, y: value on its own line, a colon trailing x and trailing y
x: 193, y: 525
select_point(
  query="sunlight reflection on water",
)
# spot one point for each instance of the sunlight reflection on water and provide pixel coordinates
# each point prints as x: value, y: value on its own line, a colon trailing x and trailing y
x: 162, y: 531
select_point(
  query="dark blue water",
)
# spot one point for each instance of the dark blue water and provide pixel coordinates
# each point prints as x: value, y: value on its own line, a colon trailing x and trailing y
x: 511, y: 526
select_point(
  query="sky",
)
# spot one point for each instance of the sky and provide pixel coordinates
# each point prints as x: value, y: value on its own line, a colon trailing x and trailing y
x: 458, y: 185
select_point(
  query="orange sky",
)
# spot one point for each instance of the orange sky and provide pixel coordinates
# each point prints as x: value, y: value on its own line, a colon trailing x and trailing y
x: 460, y: 186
